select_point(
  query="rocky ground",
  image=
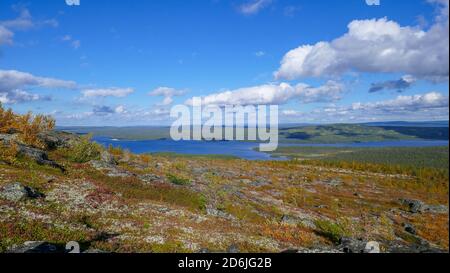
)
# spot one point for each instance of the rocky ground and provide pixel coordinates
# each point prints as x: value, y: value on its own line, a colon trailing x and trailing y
x: 120, y: 202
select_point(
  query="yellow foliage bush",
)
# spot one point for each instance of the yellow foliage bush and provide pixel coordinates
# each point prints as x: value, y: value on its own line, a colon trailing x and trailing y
x: 8, y: 153
x: 26, y: 126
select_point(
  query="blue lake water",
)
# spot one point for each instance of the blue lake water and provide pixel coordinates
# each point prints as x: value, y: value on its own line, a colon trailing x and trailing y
x: 240, y: 149
x: 232, y: 148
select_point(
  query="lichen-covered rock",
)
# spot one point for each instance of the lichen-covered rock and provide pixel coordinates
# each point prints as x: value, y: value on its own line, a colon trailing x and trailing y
x: 436, y: 209
x: 149, y: 178
x: 94, y: 251
x: 111, y: 170
x: 100, y: 165
x: 119, y: 173
x: 422, y: 247
x: 56, y: 139
x: 233, y: 249
x: 415, y: 206
x: 108, y: 158
x: 409, y: 228
x: 218, y: 213
x: 37, y: 247
x: 16, y: 192
x: 351, y: 245
x: 286, y: 219
x: 13, y: 192
x: 291, y: 220
x: 372, y: 247
x: 7, y: 138
x: 332, y: 182
x: 320, y: 250
x: 37, y: 155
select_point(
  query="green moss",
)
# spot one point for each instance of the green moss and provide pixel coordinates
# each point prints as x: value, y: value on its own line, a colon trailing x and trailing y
x: 178, y: 180
x: 169, y: 247
x: 332, y: 231
x: 244, y: 212
x: 20, y: 231
x: 133, y: 189
x: 83, y: 150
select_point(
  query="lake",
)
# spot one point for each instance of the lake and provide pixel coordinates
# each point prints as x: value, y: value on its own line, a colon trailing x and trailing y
x: 239, y: 149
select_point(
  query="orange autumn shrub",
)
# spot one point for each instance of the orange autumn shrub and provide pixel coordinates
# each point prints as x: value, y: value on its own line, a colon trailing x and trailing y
x: 26, y: 126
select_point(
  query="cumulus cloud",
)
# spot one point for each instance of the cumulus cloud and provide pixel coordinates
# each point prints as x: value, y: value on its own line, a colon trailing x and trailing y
x: 428, y: 106
x: 116, y: 116
x: 13, y: 86
x: 107, y: 92
x: 102, y: 110
x: 254, y: 6
x: 168, y: 94
x: 13, y: 79
x: 432, y: 100
x: 376, y: 45
x: 275, y: 94
x: 17, y: 96
x: 400, y: 85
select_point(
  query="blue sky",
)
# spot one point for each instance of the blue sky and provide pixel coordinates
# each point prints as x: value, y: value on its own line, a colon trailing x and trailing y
x: 126, y: 62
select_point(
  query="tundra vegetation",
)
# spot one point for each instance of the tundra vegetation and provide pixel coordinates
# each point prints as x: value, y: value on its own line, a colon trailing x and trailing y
x: 58, y: 187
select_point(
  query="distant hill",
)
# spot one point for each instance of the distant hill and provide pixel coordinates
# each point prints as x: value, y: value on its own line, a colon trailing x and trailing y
x: 131, y: 133
x: 442, y: 123
x: 341, y: 133
x: 294, y: 133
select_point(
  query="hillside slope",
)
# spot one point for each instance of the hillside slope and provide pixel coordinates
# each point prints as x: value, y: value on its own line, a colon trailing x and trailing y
x: 57, y: 187
x: 111, y: 200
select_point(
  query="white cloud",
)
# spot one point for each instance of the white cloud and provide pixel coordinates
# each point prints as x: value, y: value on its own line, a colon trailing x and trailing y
x: 432, y: 100
x: 168, y: 94
x: 428, y: 106
x: 75, y: 44
x: 17, y: 96
x: 376, y: 45
x: 6, y: 36
x: 116, y: 116
x: 275, y: 94
x: 13, y: 84
x: 66, y: 38
x: 290, y: 113
x: 290, y: 11
x: 260, y: 53
x: 400, y: 85
x: 120, y: 109
x: 22, y: 23
x: 107, y: 92
x: 13, y: 79
x: 102, y: 110
x: 254, y: 6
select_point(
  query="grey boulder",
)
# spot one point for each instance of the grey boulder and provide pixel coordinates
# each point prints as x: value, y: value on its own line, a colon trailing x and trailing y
x: 16, y: 192
x: 36, y: 247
